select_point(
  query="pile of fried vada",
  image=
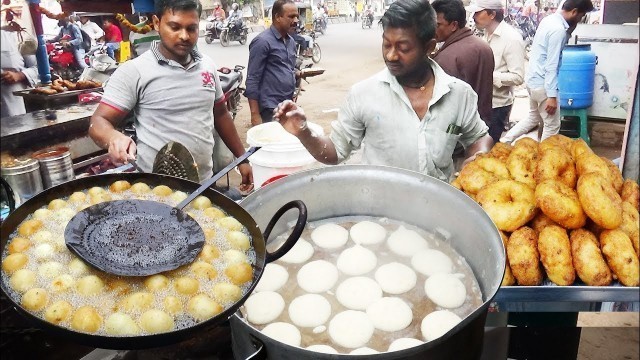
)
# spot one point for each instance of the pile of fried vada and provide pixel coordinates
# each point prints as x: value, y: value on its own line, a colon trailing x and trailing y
x: 564, y: 212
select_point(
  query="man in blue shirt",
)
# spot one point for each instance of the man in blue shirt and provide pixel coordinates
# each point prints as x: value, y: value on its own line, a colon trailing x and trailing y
x: 271, y: 74
x: 71, y: 37
x: 544, y: 62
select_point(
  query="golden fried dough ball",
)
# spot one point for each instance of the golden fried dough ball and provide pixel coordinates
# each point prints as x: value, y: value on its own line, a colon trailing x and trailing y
x: 120, y: 186
x: 621, y: 257
x: 29, y: 227
x: 156, y: 282
x: 50, y: 269
x: 186, y: 285
x: 540, y: 222
x: 57, y: 204
x: 239, y: 273
x: 18, y: 245
x: 522, y: 163
x: 201, y: 202
x: 631, y: 193
x: 229, y: 223
x: 178, y: 196
x: 238, y: 240
x: 202, y: 307
x: 456, y: 184
x: 162, y: 190
x: 555, y: 254
x: 14, y: 262
x: 528, y: 142
x: 616, y: 176
x: 507, y: 279
x: 64, y: 214
x: 172, y: 305
x: 137, y: 301
x: 599, y: 200
x: 578, y: 147
x: 560, y: 203
x: 590, y: 162
x: 78, y: 267
x: 522, y: 251
x: 118, y: 286
x: 234, y: 257
x: 210, y: 234
x: 42, y: 236
x: 556, y: 164
x: 58, y: 312
x: 62, y: 283
x: 588, y: 260
x: 204, y: 270
x: 96, y: 190
x: 226, y: 292
x: 43, y: 251
x: 100, y: 198
x: 35, y: 299
x: 140, y: 188
x: 86, y: 319
x: 78, y: 197
x: 209, y: 253
x: 156, y: 321
x: 500, y: 151
x: 482, y: 172
x: 42, y: 214
x: 509, y: 203
x: 22, y: 280
x: 120, y: 324
x: 89, y: 285
x: 630, y: 224
x: 557, y: 140
x: 213, y: 213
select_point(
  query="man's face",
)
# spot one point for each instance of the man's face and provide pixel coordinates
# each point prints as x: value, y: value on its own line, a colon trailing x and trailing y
x: 444, y: 29
x: 178, y: 31
x: 288, y: 20
x: 84, y: 19
x: 106, y: 23
x: 575, y: 17
x: 402, y: 51
x: 483, y: 18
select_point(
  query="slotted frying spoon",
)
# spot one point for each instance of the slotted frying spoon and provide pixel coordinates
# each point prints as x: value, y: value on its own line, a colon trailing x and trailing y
x: 140, y: 237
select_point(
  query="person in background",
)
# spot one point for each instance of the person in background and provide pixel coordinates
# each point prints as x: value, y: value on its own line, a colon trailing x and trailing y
x: 410, y: 115
x: 463, y: 55
x: 18, y: 72
x: 235, y: 11
x: 112, y: 37
x: 92, y: 29
x: 70, y: 37
x: 544, y: 62
x: 271, y: 72
x: 218, y: 13
x: 174, y: 92
x: 142, y: 42
x: 508, y: 56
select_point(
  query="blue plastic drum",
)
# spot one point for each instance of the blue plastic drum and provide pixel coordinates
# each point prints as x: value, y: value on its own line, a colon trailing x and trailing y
x: 575, y: 78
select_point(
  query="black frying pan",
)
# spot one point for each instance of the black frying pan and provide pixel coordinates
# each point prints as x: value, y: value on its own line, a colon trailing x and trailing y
x: 147, y: 341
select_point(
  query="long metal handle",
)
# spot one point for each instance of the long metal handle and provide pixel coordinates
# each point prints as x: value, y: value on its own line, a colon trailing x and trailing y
x: 216, y: 177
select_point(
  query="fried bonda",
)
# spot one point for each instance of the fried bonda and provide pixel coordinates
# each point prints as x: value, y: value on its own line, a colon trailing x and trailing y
x: 631, y: 193
x: 509, y: 203
x: 588, y: 260
x: 621, y: 257
x: 522, y: 251
x: 560, y: 203
x: 599, y: 200
x: 555, y: 255
x: 507, y: 279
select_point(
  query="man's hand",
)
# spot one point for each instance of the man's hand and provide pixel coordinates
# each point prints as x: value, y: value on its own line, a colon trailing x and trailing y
x: 247, y: 178
x: 256, y: 119
x: 291, y: 117
x: 551, y: 105
x: 121, y: 149
x: 12, y: 77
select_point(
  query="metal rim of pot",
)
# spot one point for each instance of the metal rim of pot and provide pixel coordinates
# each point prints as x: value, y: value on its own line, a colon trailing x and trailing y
x: 152, y: 340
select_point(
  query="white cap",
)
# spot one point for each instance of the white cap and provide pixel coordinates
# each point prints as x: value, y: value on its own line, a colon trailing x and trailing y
x: 485, y: 5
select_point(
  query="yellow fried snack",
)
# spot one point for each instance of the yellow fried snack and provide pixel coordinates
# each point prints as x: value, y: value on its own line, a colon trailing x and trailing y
x: 556, y: 164
x: 579, y: 147
x: 560, y: 203
x: 500, y: 151
x: 481, y: 172
x: 616, y: 176
x: 588, y: 260
x: 509, y: 203
x: 507, y: 279
x: 630, y: 225
x: 555, y: 255
x: 527, y: 141
x: 540, y: 222
x: 522, y: 251
x: 630, y: 193
x: 557, y: 140
x: 621, y: 257
x: 456, y: 184
x: 590, y: 162
x: 522, y: 163
x: 599, y: 200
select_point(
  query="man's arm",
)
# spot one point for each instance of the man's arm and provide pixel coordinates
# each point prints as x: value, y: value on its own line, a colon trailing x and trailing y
x: 103, y: 132
x: 475, y: 137
x: 223, y: 122
x: 514, y: 56
x: 77, y: 36
x: 258, y: 53
x: 554, y: 50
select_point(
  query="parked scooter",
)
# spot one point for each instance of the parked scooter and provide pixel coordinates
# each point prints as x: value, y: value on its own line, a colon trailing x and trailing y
x: 234, y: 29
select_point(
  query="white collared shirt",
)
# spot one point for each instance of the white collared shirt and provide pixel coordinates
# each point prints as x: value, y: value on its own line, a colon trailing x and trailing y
x: 378, y: 112
x: 508, y: 55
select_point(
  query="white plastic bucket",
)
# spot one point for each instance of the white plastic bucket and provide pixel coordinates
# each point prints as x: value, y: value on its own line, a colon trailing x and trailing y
x: 281, y: 152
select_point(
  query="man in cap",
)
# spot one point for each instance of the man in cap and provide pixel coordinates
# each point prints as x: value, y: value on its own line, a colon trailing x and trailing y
x: 508, y: 55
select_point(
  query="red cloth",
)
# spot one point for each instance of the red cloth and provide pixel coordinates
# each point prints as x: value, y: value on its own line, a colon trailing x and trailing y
x: 112, y: 33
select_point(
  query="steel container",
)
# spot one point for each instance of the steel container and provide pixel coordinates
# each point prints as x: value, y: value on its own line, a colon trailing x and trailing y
x: 24, y: 178
x: 56, y: 166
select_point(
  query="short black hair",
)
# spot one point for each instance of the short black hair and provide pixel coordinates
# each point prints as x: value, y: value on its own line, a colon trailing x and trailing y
x: 451, y: 10
x: 278, y: 7
x: 411, y: 14
x: 161, y: 6
x: 583, y: 6
x: 499, y: 14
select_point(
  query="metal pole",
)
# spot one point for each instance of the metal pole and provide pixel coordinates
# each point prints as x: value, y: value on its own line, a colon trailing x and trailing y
x: 41, y: 53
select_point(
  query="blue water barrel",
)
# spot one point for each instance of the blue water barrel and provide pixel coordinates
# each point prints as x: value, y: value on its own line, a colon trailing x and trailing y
x: 575, y: 78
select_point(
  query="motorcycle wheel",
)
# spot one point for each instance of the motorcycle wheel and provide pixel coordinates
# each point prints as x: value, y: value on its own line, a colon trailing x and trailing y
x: 208, y: 39
x: 243, y: 39
x: 224, y: 38
x: 317, y: 53
x: 363, y: 24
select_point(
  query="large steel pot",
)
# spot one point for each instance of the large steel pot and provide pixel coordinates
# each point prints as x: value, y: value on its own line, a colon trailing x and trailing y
x: 398, y: 194
x: 146, y: 341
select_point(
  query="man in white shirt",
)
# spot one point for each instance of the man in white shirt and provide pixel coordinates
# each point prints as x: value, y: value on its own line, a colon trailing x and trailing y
x: 508, y: 54
x: 92, y: 29
x: 411, y: 115
x: 18, y: 72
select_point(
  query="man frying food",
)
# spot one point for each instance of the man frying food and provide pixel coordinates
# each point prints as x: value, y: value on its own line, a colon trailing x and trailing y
x: 410, y: 115
x: 175, y: 94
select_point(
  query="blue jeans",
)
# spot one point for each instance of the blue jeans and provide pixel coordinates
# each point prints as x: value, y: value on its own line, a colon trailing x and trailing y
x: 111, y: 48
x: 78, y: 53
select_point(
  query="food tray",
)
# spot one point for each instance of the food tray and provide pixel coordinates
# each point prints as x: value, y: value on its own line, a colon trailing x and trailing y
x: 27, y: 94
x: 549, y: 292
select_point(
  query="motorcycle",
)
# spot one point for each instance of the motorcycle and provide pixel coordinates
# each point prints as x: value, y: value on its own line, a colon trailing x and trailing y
x: 63, y: 62
x: 316, y: 52
x: 234, y: 29
x: 213, y: 29
x: 231, y: 82
x: 366, y: 21
x: 320, y: 24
